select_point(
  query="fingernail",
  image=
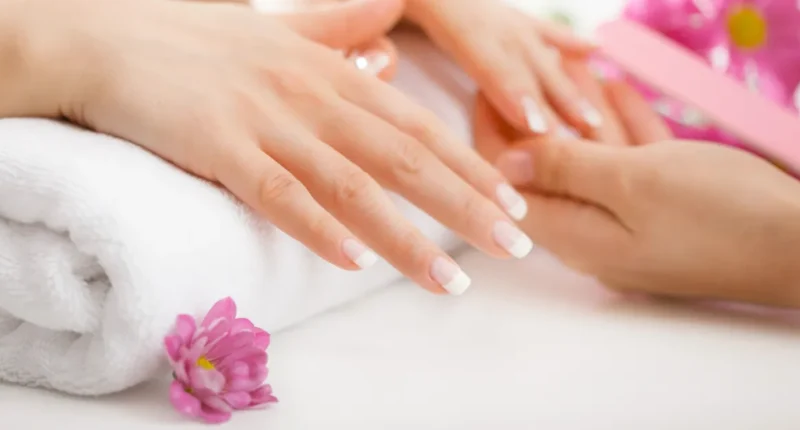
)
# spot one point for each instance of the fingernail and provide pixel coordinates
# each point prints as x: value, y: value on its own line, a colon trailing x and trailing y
x: 512, y: 239
x: 590, y: 114
x: 450, y: 276
x: 567, y: 132
x: 358, y: 253
x: 533, y: 115
x: 516, y: 166
x: 512, y: 201
x: 372, y: 62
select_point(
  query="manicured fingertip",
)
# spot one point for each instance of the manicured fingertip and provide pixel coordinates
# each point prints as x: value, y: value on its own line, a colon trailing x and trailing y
x: 534, y: 115
x: 449, y: 276
x: 359, y: 254
x: 516, y: 166
x: 512, y: 201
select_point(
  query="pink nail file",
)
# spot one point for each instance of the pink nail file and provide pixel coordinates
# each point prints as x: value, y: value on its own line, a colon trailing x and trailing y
x: 767, y: 128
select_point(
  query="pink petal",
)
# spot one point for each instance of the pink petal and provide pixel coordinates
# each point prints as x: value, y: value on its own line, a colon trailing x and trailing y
x: 262, y: 395
x: 215, y: 332
x: 182, y: 401
x: 244, y: 384
x: 223, y: 309
x: 241, y: 324
x: 262, y: 339
x: 181, y: 370
x: 217, y: 403
x: 206, y: 379
x: 185, y: 328
x: 249, y: 355
x: 229, y: 344
x: 172, y: 344
x: 212, y: 416
x: 238, y: 400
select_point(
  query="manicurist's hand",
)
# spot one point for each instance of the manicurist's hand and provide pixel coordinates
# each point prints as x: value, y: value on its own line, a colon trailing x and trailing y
x: 263, y: 108
x: 512, y: 57
x: 657, y: 215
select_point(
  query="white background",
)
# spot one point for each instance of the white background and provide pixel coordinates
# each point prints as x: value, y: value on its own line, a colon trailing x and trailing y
x: 531, y: 346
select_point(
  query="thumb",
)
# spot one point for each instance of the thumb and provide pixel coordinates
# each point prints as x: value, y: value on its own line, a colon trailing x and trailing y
x: 576, y: 169
x: 344, y: 25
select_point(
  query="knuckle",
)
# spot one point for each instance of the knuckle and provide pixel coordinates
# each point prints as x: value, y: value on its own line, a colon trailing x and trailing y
x: 556, y: 165
x: 277, y: 187
x: 351, y: 187
x: 474, y: 210
x: 407, y: 162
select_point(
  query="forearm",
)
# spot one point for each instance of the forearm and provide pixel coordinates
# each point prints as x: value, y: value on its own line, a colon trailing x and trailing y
x: 33, y: 71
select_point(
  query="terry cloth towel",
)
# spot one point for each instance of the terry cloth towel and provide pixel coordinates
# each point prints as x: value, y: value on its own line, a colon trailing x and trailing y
x: 102, y: 244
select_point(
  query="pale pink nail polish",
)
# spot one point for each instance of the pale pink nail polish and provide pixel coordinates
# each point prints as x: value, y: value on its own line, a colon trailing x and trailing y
x: 516, y: 166
x: 358, y: 253
x: 510, y: 238
x: 447, y: 274
x: 372, y: 62
x: 512, y: 201
x: 534, y: 116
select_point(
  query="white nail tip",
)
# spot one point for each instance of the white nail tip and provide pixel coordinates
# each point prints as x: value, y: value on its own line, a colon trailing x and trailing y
x: 512, y: 201
x: 458, y: 284
x: 533, y: 116
x: 518, y: 210
x: 366, y: 259
x: 521, y: 247
x: 512, y: 239
x: 591, y: 115
x: 359, y: 254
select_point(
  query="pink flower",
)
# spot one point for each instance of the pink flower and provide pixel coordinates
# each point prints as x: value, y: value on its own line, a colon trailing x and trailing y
x: 218, y: 367
x: 754, y: 41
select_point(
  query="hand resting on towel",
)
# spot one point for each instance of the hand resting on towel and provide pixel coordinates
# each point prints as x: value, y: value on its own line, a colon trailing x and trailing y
x: 264, y: 109
x: 644, y: 212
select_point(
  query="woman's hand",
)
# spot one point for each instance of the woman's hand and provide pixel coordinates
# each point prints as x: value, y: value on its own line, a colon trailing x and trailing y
x: 510, y: 56
x: 282, y: 122
x: 668, y: 217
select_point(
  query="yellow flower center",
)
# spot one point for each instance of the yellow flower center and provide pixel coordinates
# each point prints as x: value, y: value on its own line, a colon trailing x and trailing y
x: 747, y: 27
x: 204, y: 363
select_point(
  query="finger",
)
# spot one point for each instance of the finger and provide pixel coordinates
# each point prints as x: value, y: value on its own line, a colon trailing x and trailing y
x: 642, y: 123
x: 491, y: 132
x: 354, y: 198
x: 264, y: 185
x: 597, y: 174
x: 580, y: 234
x: 563, y: 38
x: 394, y: 108
x: 567, y: 101
x: 378, y: 58
x: 500, y: 70
x: 610, y: 131
x: 403, y: 165
x: 344, y: 25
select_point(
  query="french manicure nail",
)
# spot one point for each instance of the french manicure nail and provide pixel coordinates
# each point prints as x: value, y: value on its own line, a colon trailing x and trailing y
x: 372, y: 62
x: 567, y: 132
x: 533, y: 115
x: 450, y: 276
x: 358, y: 253
x: 590, y: 114
x: 516, y: 166
x: 512, y: 201
x: 512, y: 239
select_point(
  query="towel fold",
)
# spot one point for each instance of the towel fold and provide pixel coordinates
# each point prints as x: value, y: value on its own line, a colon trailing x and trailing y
x: 102, y: 244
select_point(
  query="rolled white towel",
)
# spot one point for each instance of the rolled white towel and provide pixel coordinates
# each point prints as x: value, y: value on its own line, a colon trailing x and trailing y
x: 102, y: 244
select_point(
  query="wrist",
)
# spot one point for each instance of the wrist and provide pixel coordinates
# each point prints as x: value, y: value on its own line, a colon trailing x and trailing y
x: 783, y: 279
x: 37, y: 65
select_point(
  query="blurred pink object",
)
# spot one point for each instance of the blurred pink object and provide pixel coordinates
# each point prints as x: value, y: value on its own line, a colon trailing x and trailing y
x: 755, y: 41
x: 220, y: 366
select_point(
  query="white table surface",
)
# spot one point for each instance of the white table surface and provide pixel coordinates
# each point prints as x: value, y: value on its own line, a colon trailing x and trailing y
x: 531, y: 346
